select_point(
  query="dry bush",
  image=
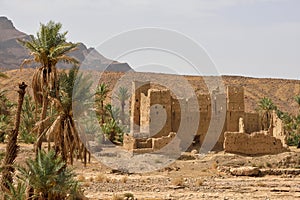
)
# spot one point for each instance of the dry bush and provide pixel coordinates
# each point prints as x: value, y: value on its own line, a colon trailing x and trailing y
x: 86, y: 184
x: 269, y: 165
x: 101, y: 178
x: 128, y: 195
x: 261, y: 184
x: 81, y: 178
x: 117, y: 197
x: 199, y: 182
x: 124, y: 179
x: 178, y: 181
x: 214, y: 165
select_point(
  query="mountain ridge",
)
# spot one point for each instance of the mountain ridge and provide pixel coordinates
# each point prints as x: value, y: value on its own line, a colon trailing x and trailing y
x: 12, y: 53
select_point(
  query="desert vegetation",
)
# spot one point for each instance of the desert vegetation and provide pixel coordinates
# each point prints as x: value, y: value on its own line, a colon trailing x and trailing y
x: 49, y: 117
x: 291, y: 122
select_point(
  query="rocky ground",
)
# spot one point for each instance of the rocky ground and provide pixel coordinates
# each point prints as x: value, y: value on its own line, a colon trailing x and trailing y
x: 194, y: 176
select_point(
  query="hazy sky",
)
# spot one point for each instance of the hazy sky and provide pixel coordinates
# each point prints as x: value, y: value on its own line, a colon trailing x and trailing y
x: 258, y: 38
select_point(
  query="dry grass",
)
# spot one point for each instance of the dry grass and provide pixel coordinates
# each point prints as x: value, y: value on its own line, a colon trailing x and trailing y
x: 101, y: 178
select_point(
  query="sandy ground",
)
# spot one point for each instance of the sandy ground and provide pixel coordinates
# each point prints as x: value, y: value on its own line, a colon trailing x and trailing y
x: 191, y: 177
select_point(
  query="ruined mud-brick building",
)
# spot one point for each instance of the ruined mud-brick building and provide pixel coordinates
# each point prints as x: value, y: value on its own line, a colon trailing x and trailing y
x: 156, y: 116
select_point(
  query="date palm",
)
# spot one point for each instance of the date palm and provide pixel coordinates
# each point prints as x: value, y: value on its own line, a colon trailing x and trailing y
x: 12, y: 147
x: 123, y: 96
x: 63, y: 130
x: 47, y: 48
x: 265, y: 108
x: 297, y: 99
x: 49, y: 177
x: 100, y: 96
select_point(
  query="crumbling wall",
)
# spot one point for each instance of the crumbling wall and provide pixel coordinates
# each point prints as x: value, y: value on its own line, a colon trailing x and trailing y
x: 129, y: 142
x: 235, y: 107
x: 145, y: 115
x: 176, y: 115
x: 252, y: 122
x: 204, y: 102
x: 160, y: 112
x: 137, y: 89
x: 278, y: 129
x: 158, y: 143
x: 256, y: 143
x: 143, y: 143
x: 155, y: 114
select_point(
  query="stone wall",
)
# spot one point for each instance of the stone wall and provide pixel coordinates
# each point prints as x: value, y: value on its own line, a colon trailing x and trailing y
x: 257, y: 143
x: 278, y: 129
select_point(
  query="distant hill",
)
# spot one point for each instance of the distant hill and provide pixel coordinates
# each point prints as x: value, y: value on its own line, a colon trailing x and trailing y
x: 12, y: 53
x: 281, y: 91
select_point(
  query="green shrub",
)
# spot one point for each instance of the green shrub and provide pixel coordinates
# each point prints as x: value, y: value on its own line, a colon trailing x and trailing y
x: 16, y: 192
x: 128, y: 195
x: 49, y: 177
x: 293, y: 139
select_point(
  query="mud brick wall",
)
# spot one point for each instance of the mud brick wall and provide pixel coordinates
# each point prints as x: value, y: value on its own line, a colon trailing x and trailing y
x: 155, y: 113
x: 252, y: 122
x: 138, y: 88
x: 145, y: 114
x: 129, y: 142
x: 160, y: 112
x: 257, y: 143
x: 278, y: 129
x: 176, y: 114
x: 235, y: 107
x: 158, y: 143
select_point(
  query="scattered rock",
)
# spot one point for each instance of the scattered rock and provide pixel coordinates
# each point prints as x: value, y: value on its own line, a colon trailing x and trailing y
x: 245, y: 171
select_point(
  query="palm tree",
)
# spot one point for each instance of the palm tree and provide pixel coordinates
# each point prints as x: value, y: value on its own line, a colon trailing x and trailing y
x: 49, y: 177
x: 265, y: 107
x: 12, y: 147
x: 297, y: 99
x: 123, y: 96
x: 101, y: 94
x: 47, y: 48
x: 63, y: 130
x: 16, y: 191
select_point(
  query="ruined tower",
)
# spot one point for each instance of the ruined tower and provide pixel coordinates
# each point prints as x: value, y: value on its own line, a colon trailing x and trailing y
x: 235, y: 107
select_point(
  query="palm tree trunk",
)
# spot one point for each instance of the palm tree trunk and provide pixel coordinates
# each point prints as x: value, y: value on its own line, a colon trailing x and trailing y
x: 102, y: 112
x: 123, y: 113
x: 12, y: 147
x: 41, y: 128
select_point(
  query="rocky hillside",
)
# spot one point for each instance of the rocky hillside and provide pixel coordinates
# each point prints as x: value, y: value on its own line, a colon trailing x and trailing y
x: 281, y: 91
x: 12, y: 53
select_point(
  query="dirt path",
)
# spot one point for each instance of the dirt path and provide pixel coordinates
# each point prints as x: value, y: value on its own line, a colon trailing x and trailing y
x: 192, y: 178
